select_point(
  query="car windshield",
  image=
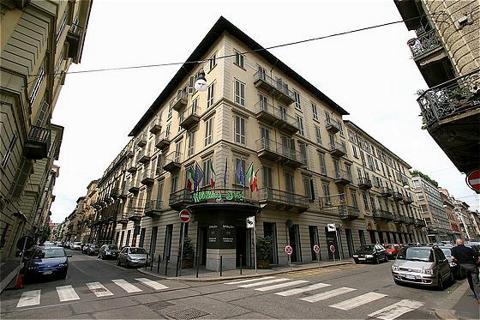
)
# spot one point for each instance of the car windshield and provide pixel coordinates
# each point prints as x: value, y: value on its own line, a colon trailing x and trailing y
x: 50, y: 253
x: 447, y: 252
x: 112, y: 247
x: 416, y: 254
x: 137, y: 251
x: 367, y: 248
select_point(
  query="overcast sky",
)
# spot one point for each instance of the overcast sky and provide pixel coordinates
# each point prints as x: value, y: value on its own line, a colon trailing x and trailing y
x: 370, y: 74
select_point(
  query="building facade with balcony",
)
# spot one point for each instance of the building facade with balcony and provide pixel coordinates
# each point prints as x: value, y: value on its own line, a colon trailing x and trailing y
x: 89, y: 211
x: 447, y: 54
x: 432, y: 210
x: 40, y: 40
x: 449, y: 206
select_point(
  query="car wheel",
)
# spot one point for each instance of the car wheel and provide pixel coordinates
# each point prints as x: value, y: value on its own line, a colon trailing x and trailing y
x: 397, y: 282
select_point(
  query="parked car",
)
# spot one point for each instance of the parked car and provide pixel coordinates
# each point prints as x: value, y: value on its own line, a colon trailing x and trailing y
x: 92, y: 249
x: 370, y: 253
x: 108, y: 251
x: 46, y: 261
x: 454, y: 268
x: 77, y: 245
x: 391, y: 250
x: 422, y: 265
x: 132, y: 257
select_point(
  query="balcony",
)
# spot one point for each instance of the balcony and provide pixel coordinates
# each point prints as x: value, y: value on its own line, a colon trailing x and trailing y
x: 397, y: 196
x: 131, y: 167
x: 180, y: 100
x: 154, y: 208
x: 189, y: 118
x: 147, y: 178
x: 163, y: 140
x: 173, y: 162
x: 385, y: 192
x: 129, y: 154
x: 408, y: 199
x: 142, y: 140
x: 348, y: 212
x: 342, y: 177
x: 115, y: 192
x: 144, y: 157
x: 282, y: 200
x: 123, y: 219
x: 276, y: 88
x: 218, y: 197
x: 332, y: 125
x: 155, y: 127
x: 37, y: 144
x: 399, y: 218
x: 270, y: 150
x: 274, y: 116
x: 135, y: 213
x: 180, y: 199
x: 364, y: 183
x: 451, y: 114
x: 74, y: 38
x: 426, y: 43
x: 133, y: 188
x: 409, y: 220
x: 382, y: 215
x: 419, y: 223
x: 337, y: 150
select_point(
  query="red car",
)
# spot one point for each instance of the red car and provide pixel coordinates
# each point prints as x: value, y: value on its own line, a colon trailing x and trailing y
x: 391, y: 250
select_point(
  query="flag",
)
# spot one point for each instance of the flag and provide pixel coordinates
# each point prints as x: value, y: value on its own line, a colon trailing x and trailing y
x: 240, y: 174
x: 254, y: 182
x: 249, y: 174
x: 212, y: 175
x: 198, y: 177
x: 190, y: 180
x: 225, y: 175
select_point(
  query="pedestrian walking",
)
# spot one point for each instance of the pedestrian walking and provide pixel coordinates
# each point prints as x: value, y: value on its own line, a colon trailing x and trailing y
x: 468, y: 261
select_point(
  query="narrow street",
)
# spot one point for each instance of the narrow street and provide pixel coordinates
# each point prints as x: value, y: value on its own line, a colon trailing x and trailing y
x: 100, y: 289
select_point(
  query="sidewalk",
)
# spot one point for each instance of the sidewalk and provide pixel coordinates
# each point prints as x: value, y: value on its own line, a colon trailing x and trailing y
x: 8, y: 271
x: 206, y: 275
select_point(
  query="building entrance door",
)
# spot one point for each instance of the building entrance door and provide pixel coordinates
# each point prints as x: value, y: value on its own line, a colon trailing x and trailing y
x: 167, y: 247
x: 332, y: 239
x: 294, y: 235
x: 241, y: 245
x: 270, y: 230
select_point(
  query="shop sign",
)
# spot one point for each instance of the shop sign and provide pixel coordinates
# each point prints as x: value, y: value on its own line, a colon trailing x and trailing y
x: 201, y: 196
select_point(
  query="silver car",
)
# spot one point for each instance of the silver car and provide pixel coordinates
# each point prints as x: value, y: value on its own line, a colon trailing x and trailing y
x: 133, y: 257
x: 426, y: 266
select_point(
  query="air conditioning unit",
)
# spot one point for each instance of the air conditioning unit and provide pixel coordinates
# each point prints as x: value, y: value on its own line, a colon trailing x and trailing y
x: 190, y: 90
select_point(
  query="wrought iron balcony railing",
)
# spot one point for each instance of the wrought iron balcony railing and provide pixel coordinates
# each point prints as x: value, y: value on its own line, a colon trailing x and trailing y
x: 386, y: 191
x: 144, y: 156
x: 450, y: 98
x: 147, y: 177
x: 153, y: 208
x: 397, y: 196
x: 348, y: 212
x: 162, y: 140
x: 280, y: 198
x: 425, y: 43
x: 180, y: 100
x: 275, y: 116
x: 276, y: 87
x: 332, y: 125
x: 272, y: 150
x: 399, y: 218
x: 179, y: 199
x: 381, y: 214
x: 135, y: 213
x: 364, y: 183
x: 38, y: 142
x: 342, y: 177
x: 189, y: 117
x: 141, y: 140
x: 173, y: 161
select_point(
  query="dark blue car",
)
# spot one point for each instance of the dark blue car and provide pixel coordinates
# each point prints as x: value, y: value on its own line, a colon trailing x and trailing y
x: 46, y: 261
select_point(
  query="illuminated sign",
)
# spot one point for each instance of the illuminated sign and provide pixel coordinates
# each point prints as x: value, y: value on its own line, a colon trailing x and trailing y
x: 201, y: 196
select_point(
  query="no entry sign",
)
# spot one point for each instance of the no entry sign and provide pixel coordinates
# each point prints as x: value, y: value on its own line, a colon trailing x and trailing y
x: 316, y: 248
x: 288, y: 250
x: 332, y: 248
x: 185, y: 216
x: 473, y: 180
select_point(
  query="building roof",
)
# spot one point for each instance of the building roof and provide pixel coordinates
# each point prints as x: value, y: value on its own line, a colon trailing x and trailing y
x: 381, y: 144
x: 223, y: 25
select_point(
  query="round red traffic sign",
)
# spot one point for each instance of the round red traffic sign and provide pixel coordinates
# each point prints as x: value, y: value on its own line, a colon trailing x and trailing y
x: 473, y: 180
x: 332, y: 248
x: 288, y: 249
x: 184, y: 215
x: 316, y: 248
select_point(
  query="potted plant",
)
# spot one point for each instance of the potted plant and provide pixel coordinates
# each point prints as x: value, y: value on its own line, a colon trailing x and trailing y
x: 188, y: 254
x: 264, y: 252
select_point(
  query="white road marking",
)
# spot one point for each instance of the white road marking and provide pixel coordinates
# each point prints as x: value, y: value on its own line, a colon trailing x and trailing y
x: 281, y: 285
x: 358, y: 301
x: 292, y: 292
x: 328, y: 294
x: 261, y: 283
x: 67, y: 293
x: 130, y: 288
x: 249, y: 280
x: 152, y: 284
x: 99, y: 289
x: 29, y: 298
x: 396, y: 310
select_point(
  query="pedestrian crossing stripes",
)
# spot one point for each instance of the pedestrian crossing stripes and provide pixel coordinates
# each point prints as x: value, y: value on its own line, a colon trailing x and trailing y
x: 396, y: 310
x: 282, y: 285
x: 249, y: 280
x: 152, y: 284
x: 127, y: 286
x: 312, y: 287
x: 328, y: 294
x: 358, y: 301
x: 29, y: 298
x: 99, y: 289
x: 261, y: 283
x: 67, y: 293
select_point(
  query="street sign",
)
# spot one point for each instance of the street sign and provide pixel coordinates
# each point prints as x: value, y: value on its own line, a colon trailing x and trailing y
x: 332, y: 248
x: 473, y: 180
x: 25, y: 242
x: 316, y: 248
x: 250, y: 222
x: 288, y: 250
x: 331, y: 227
x: 184, y: 216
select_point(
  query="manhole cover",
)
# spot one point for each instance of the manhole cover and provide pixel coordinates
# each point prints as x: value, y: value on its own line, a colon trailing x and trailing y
x: 159, y: 305
x: 188, y: 314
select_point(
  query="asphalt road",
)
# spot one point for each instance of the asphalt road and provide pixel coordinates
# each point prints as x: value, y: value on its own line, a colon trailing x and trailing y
x: 100, y: 290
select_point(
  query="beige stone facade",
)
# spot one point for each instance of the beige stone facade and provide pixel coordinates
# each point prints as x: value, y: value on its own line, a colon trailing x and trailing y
x: 39, y: 41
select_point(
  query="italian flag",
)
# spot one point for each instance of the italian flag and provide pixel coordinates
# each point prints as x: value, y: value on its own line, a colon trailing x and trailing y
x: 254, y: 182
x: 190, y: 175
x: 250, y: 176
x: 212, y: 175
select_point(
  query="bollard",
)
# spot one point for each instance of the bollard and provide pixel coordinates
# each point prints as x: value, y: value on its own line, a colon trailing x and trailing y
x: 241, y: 264
x: 221, y: 261
x: 166, y: 265
x: 158, y: 264
x: 151, y: 262
x: 197, y: 266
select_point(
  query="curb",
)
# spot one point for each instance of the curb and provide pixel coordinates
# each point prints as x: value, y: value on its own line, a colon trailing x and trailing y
x: 212, y: 279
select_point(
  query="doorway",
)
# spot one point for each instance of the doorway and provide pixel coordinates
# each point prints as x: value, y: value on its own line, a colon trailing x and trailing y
x: 202, y: 246
x: 270, y: 230
x: 241, y: 245
x: 351, y: 248
x: 314, y: 240
x: 372, y: 236
x: 153, y: 240
x: 294, y: 236
x: 332, y: 240
x: 167, y: 248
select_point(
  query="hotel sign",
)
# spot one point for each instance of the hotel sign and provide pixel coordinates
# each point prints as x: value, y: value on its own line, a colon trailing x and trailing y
x: 201, y: 196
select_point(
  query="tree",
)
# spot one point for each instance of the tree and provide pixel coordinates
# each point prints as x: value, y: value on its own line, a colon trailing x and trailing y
x: 417, y: 173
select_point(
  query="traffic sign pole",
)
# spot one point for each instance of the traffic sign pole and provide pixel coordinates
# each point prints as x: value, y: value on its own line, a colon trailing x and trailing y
x: 181, y: 248
x: 255, y: 246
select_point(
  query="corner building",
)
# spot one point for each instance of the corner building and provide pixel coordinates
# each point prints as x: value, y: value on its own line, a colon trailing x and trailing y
x: 255, y: 110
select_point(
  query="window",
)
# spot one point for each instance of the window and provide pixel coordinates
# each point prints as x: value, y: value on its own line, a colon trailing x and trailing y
x: 174, y: 183
x: 326, y: 193
x: 354, y: 199
x: 240, y: 92
x: 9, y: 151
x: 208, y: 131
x: 365, y: 200
x: 314, y: 111
x: 239, y: 129
x: 239, y: 59
x: 210, y: 95
x: 191, y: 142
x: 43, y: 114
x: 239, y: 163
x: 308, y: 188
x: 301, y: 130
x: 38, y: 82
x: 194, y: 105
x: 298, y: 104
x: 323, y: 166
x: 355, y: 154
x: 212, y: 62
x: 303, y: 151
x: 267, y: 177
x: 318, y: 134
x: 207, y: 169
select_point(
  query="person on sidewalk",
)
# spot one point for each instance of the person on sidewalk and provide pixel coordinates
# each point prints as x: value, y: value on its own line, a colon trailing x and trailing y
x: 468, y: 261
